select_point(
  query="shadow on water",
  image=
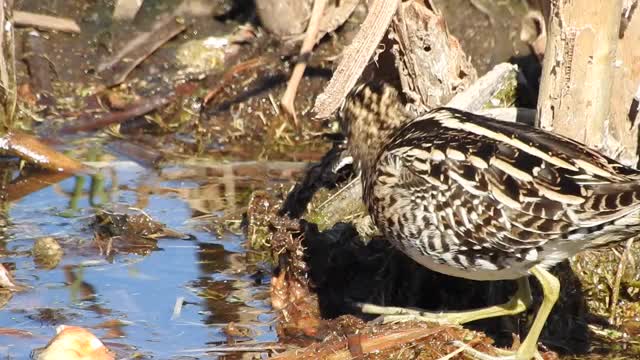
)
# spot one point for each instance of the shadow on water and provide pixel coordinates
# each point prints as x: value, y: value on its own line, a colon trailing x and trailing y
x: 128, y: 298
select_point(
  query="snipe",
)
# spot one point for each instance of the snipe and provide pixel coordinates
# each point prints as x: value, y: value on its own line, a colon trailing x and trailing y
x: 478, y: 198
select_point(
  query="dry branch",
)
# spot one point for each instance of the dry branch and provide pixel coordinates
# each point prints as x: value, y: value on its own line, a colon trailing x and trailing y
x: 34, y: 151
x: 139, y: 108
x: 288, y: 99
x: 355, y: 57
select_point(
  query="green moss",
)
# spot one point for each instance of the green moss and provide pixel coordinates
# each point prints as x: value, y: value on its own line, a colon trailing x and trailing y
x: 506, y: 96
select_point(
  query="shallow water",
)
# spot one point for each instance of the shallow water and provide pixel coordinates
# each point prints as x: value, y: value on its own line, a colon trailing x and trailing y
x: 128, y: 299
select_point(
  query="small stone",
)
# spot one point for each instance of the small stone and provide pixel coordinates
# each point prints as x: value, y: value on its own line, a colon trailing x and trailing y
x: 47, y: 253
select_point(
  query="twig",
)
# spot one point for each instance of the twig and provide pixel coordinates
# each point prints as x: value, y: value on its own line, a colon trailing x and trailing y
x: 455, y: 352
x: 238, y: 348
x: 230, y: 74
x: 615, y: 291
x: 334, y: 16
x: 23, y: 18
x: 355, y: 57
x: 140, y: 108
x: 288, y: 99
x: 115, y: 69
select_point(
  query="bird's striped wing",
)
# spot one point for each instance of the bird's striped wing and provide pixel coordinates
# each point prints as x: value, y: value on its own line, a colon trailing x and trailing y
x: 505, y: 185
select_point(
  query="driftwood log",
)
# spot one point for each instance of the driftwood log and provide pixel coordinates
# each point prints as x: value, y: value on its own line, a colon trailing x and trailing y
x: 590, y: 76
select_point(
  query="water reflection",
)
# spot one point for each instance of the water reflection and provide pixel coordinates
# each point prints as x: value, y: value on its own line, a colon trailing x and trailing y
x: 128, y: 295
x: 226, y: 286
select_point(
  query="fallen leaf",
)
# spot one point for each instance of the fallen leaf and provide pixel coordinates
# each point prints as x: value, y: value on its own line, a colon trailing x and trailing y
x: 75, y: 343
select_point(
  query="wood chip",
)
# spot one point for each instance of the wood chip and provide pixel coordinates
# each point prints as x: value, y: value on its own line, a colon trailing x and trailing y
x: 24, y: 18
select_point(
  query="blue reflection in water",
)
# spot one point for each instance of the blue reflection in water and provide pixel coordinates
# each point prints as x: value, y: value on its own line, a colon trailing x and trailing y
x: 211, y: 274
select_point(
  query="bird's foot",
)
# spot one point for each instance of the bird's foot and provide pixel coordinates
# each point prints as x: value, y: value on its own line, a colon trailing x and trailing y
x: 392, y: 314
x: 502, y: 354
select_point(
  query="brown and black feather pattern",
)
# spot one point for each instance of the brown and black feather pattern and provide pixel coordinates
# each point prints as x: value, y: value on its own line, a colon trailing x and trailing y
x: 479, y: 198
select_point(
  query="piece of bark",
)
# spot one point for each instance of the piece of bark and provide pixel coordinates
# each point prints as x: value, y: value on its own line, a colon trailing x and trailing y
x: 115, y: 69
x: 35, y: 48
x: 355, y: 57
x: 576, y: 86
x: 432, y: 65
x: 45, y: 22
x: 126, y: 9
x: 622, y: 129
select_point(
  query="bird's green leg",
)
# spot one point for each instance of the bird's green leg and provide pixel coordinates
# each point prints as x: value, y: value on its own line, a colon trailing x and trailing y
x: 529, y: 348
x: 517, y: 304
x: 550, y: 291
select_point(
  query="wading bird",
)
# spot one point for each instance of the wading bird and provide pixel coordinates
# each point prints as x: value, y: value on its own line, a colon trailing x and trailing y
x: 482, y: 199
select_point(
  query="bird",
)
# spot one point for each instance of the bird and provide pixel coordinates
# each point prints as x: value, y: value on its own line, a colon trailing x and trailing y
x: 483, y: 199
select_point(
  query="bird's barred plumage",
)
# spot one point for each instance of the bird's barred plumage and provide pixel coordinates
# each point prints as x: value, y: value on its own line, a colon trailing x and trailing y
x: 479, y: 198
